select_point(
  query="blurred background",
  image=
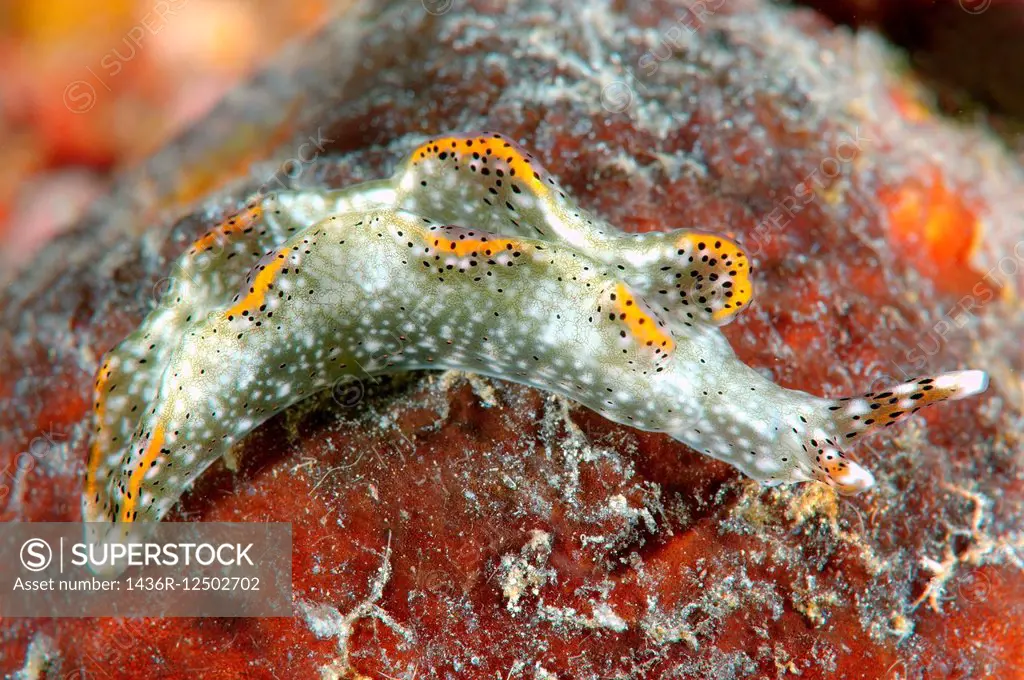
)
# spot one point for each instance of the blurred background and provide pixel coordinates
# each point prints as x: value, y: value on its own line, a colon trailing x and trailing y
x: 87, y: 86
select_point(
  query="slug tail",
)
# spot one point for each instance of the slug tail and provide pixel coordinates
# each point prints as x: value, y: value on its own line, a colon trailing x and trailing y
x: 851, y: 418
x: 855, y: 417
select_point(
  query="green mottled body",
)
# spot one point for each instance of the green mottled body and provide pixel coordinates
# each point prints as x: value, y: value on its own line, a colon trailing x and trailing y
x: 307, y: 289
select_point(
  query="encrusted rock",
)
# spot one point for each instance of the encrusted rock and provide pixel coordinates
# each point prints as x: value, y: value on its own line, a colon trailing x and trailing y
x: 887, y: 242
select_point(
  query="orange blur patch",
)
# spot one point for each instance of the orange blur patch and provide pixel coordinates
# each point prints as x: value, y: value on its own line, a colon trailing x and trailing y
x: 238, y: 224
x: 642, y: 326
x: 909, y: 105
x: 258, y: 290
x: 491, y: 145
x: 939, y: 230
x: 135, y: 481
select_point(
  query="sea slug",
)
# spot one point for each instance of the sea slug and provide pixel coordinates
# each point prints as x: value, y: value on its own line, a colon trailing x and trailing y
x: 470, y: 257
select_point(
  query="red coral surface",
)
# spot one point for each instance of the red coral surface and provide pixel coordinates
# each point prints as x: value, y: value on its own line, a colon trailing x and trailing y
x: 450, y: 526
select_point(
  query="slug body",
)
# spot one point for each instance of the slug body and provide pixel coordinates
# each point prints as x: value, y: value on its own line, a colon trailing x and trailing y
x: 469, y: 258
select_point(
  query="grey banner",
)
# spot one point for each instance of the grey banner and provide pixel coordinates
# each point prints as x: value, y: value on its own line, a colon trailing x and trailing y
x: 64, y: 569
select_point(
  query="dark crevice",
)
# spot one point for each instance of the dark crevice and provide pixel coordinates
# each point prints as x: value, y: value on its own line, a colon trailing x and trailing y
x: 968, y: 51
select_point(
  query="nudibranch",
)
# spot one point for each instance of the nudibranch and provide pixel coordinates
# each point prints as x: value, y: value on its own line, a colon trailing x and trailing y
x: 470, y: 257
